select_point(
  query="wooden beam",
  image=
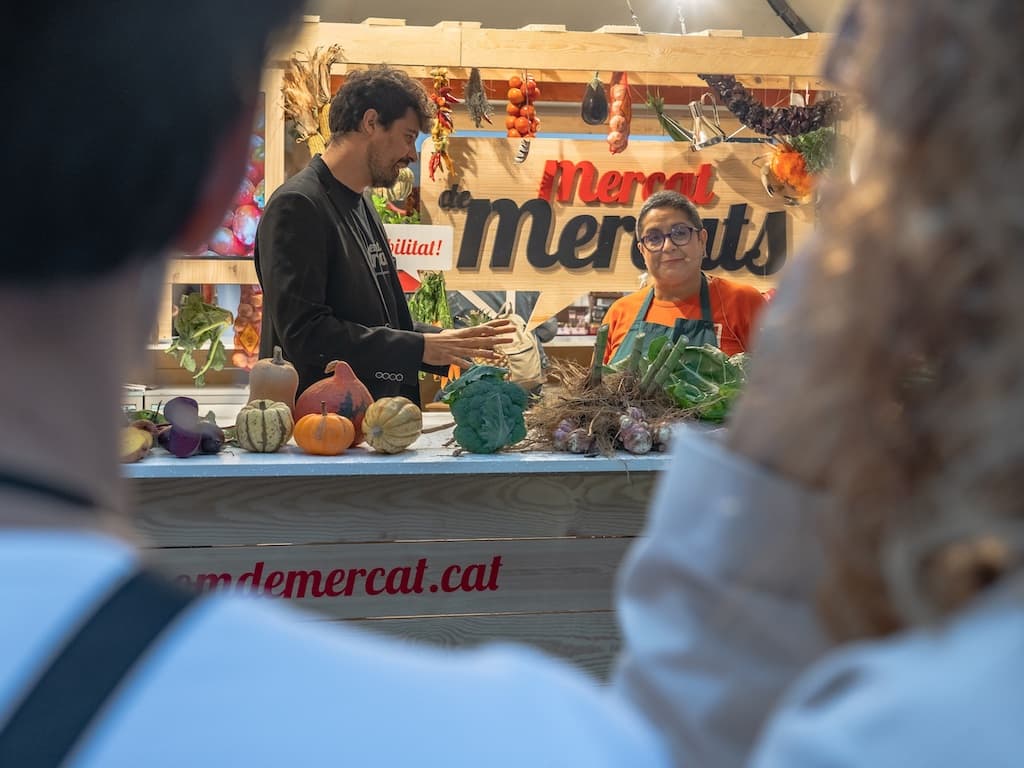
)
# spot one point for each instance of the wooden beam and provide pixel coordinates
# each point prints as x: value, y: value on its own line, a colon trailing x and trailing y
x: 543, y: 28
x: 365, y: 44
x: 275, y: 130
x: 716, y: 33
x: 212, y: 271
x: 612, y: 48
x: 662, y: 54
x: 618, y: 29
x: 580, y: 77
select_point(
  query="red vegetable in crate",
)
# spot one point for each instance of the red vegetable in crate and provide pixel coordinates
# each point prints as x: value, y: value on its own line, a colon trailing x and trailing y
x: 621, y: 113
x: 243, y: 224
x: 343, y: 393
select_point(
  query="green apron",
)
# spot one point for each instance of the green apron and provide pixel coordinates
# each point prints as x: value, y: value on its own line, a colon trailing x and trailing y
x: 697, y: 332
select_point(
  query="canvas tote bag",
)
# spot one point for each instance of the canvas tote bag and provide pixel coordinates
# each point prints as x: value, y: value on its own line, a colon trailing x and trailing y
x: 523, y: 352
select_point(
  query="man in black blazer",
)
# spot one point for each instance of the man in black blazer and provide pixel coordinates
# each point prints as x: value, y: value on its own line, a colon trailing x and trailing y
x: 330, y: 285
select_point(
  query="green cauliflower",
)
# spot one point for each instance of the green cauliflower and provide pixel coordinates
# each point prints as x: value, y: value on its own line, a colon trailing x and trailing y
x: 488, y: 410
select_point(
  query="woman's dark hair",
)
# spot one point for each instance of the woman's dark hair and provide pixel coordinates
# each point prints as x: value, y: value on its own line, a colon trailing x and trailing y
x: 116, y: 110
x: 668, y: 198
x: 389, y: 91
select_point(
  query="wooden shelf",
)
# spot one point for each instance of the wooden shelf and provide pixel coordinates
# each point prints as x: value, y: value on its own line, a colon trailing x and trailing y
x: 212, y: 271
x: 567, y: 56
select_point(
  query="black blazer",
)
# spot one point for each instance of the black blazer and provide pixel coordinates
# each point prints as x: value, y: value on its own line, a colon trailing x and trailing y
x: 321, y: 301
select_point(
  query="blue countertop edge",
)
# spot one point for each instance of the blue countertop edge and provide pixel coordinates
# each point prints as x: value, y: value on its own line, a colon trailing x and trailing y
x: 291, y: 462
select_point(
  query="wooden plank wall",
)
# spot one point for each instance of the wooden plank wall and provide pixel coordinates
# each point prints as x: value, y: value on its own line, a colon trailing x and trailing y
x: 459, y: 559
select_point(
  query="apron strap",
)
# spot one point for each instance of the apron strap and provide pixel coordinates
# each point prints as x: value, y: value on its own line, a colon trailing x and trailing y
x: 638, y: 321
x: 62, y: 703
x: 705, y: 300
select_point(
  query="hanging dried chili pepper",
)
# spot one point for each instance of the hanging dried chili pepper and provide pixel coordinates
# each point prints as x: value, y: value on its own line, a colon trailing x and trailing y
x: 444, y: 123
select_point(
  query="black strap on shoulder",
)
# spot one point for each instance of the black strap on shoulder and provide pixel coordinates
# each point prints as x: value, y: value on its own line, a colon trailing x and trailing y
x: 54, y: 714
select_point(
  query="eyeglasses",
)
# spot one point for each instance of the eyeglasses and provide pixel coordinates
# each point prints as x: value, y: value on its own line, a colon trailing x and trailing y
x: 679, y: 234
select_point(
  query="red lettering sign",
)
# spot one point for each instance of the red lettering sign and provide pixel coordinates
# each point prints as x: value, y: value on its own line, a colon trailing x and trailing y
x: 582, y: 180
x: 320, y: 583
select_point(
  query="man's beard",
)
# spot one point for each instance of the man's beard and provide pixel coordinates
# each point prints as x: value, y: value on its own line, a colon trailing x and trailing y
x: 384, y: 176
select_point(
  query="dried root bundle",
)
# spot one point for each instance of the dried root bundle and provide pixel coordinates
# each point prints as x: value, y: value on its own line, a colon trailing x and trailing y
x: 582, y: 415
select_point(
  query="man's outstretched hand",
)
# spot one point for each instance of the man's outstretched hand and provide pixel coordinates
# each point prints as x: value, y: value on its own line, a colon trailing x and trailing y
x: 458, y: 346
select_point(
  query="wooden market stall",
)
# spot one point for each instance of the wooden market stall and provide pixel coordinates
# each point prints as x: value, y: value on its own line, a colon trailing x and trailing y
x: 457, y: 550
x: 517, y: 546
x: 563, y: 62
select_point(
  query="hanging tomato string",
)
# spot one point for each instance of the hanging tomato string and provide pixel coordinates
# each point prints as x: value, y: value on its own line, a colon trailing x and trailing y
x: 521, y: 118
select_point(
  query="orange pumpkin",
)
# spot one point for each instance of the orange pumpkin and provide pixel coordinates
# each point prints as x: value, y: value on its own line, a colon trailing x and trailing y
x: 324, y: 434
x: 344, y: 394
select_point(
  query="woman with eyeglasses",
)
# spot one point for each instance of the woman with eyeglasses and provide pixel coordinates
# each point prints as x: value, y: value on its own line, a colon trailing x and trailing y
x: 683, y: 300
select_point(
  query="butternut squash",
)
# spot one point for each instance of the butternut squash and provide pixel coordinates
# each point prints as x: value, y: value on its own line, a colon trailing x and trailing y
x: 274, y: 379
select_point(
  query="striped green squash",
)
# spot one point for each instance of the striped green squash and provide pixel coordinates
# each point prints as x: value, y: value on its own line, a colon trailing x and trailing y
x: 264, y: 426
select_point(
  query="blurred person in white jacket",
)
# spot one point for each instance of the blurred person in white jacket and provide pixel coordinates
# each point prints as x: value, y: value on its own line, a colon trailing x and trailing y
x: 837, y: 580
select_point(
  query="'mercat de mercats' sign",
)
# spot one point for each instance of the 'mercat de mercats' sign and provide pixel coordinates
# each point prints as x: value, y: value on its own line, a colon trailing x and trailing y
x: 563, y: 222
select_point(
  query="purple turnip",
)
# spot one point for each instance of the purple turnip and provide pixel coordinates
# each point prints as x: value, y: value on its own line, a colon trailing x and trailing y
x: 579, y: 441
x: 183, y: 443
x: 560, y: 436
x: 211, y: 437
x: 183, y: 412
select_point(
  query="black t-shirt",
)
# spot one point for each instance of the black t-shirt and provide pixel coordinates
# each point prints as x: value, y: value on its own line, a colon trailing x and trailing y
x: 377, y: 253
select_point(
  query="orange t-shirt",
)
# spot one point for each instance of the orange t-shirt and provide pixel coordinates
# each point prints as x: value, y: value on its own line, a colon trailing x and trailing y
x: 734, y: 310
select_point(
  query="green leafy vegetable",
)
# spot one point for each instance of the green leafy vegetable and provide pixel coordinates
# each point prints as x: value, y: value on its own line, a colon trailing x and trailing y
x: 488, y: 409
x: 198, y: 324
x: 818, y: 148
x: 390, y: 215
x: 430, y: 302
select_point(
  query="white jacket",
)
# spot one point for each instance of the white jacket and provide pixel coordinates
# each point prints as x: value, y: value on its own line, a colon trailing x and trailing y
x: 716, y: 607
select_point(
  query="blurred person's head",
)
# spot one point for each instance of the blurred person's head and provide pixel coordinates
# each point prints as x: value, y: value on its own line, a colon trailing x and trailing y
x: 385, y: 110
x: 907, y: 349
x: 125, y: 136
x: 672, y: 240
x: 126, y: 124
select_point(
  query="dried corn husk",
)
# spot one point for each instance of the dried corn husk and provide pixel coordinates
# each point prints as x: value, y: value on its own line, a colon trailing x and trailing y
x: 307, y: 94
